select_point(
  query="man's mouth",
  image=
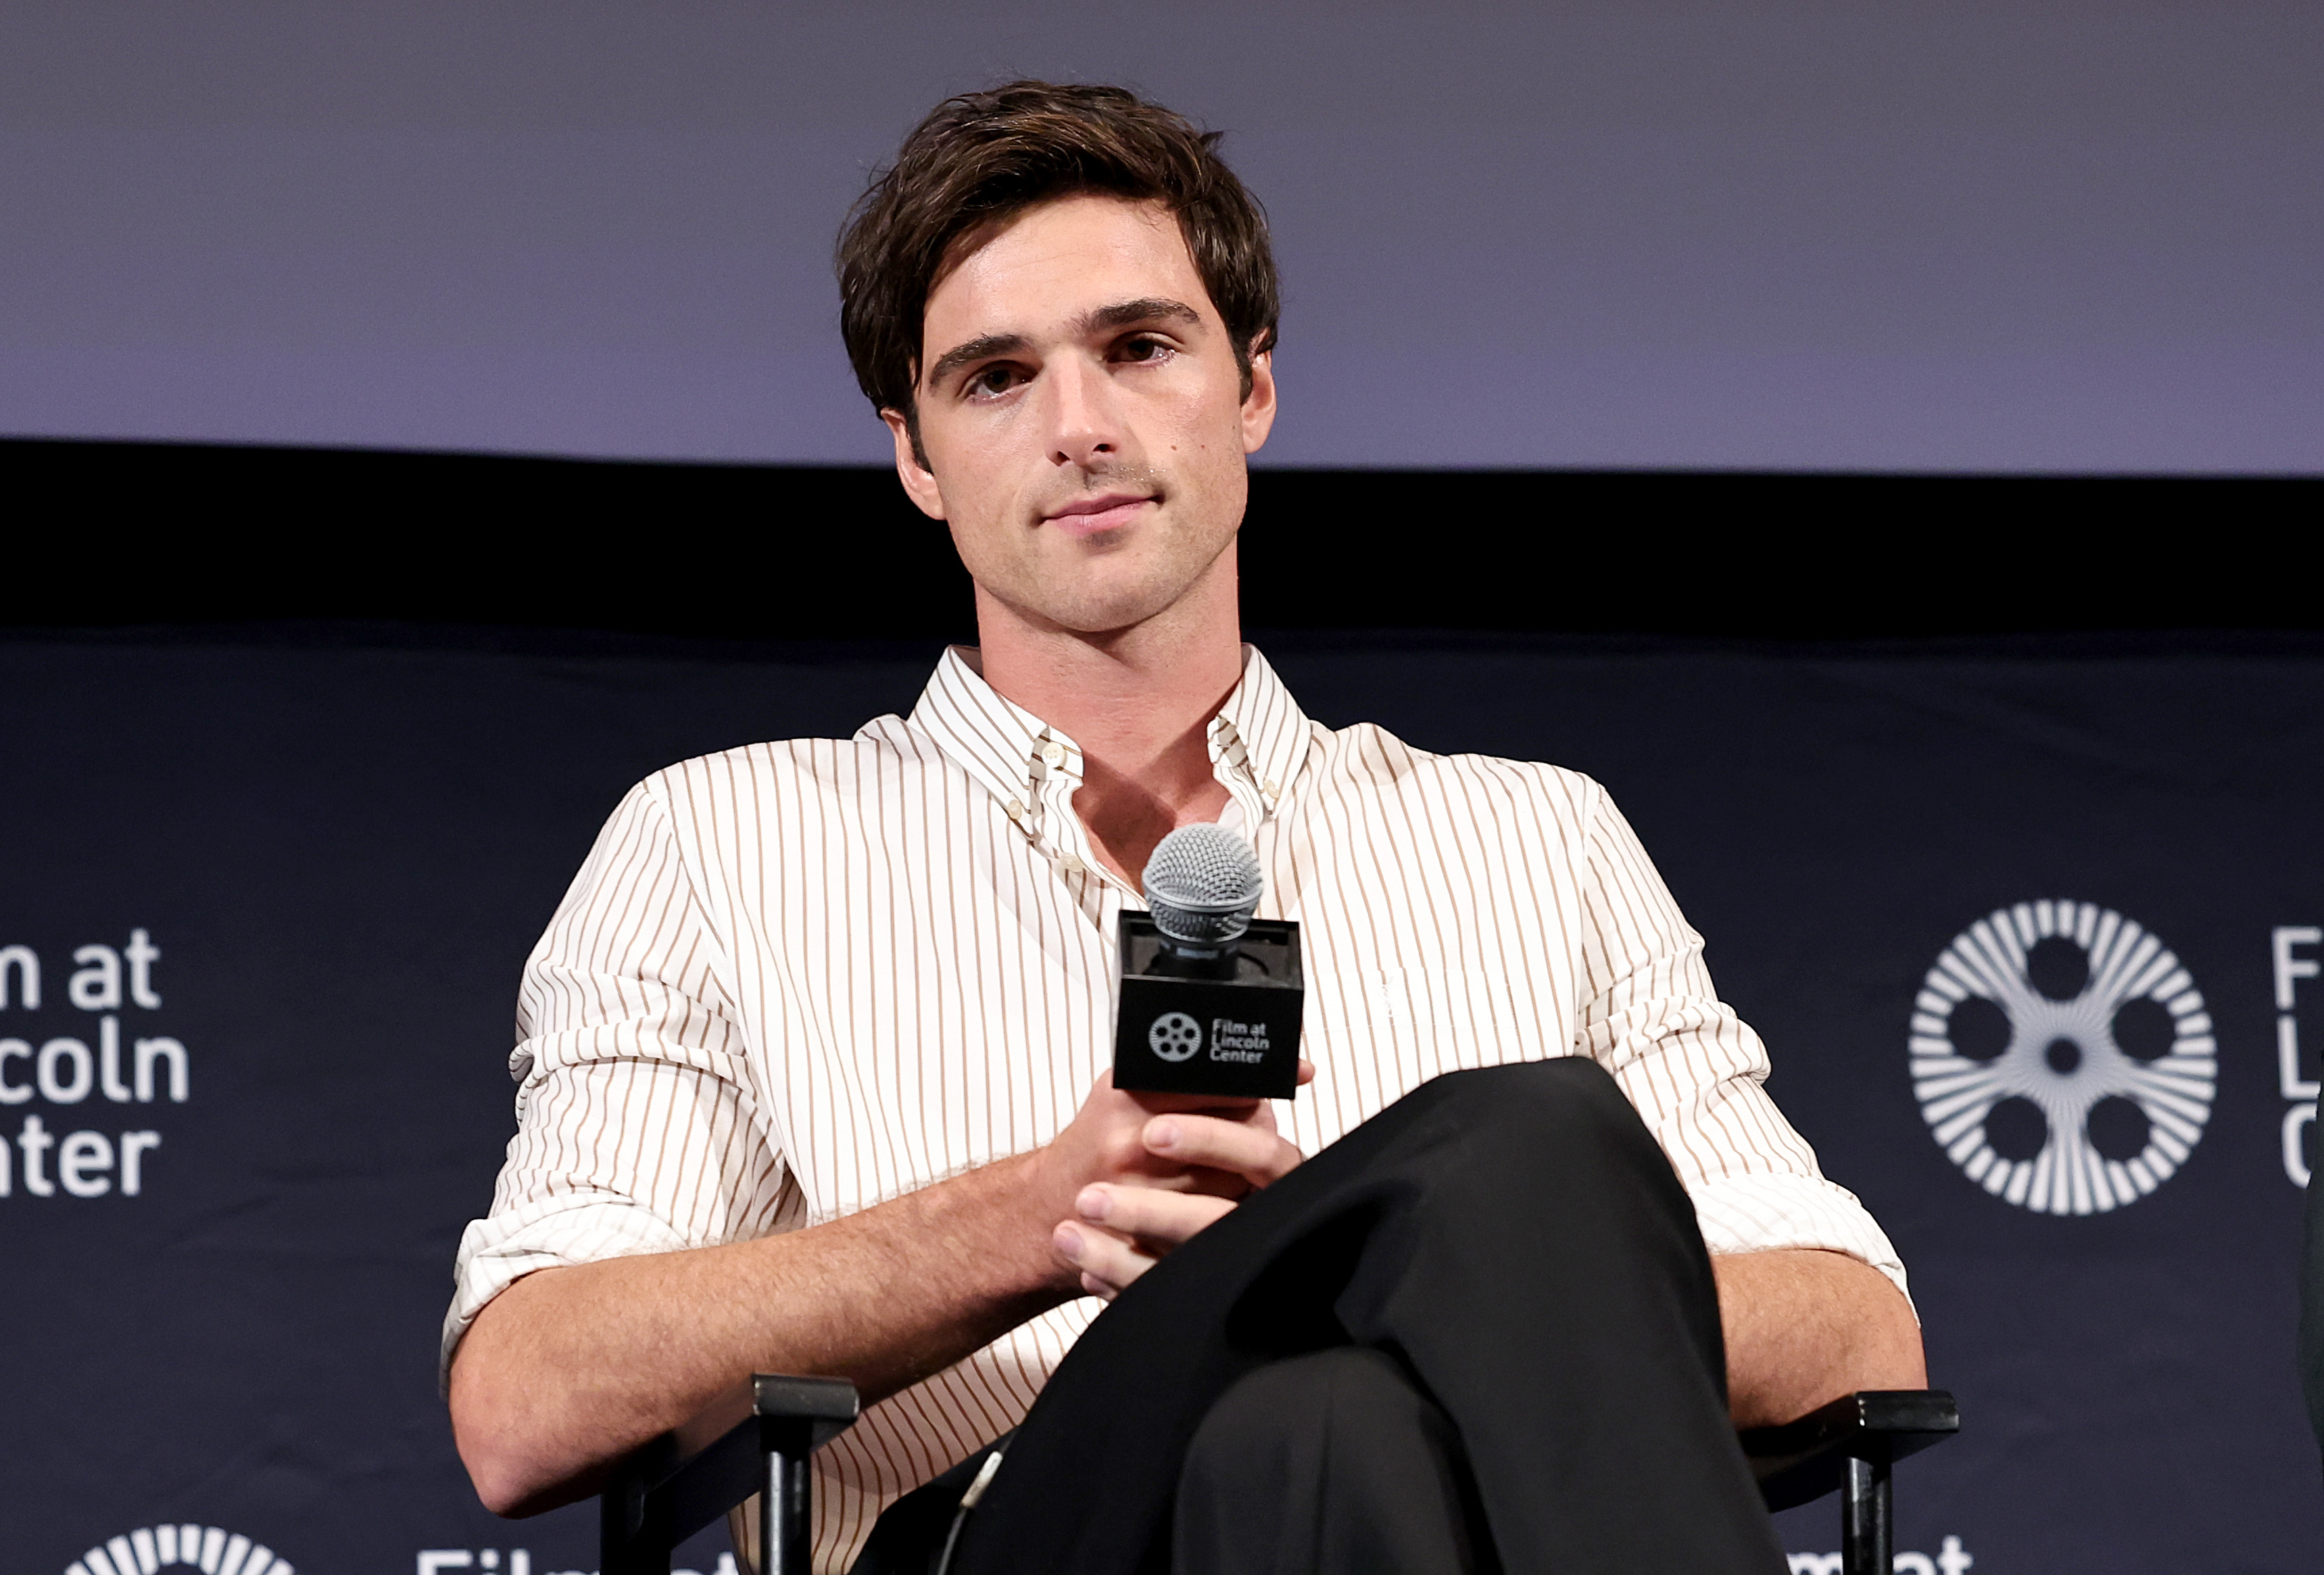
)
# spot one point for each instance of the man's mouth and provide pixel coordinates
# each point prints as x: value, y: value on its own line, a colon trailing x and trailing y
x: 1106, y: 512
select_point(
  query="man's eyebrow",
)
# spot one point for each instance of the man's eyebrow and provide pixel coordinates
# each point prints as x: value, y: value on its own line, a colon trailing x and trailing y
x: 1120, y: 315
x: 1123, y: 313
x: 960, y: 355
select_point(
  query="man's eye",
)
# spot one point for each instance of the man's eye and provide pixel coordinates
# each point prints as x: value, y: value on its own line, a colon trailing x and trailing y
x: 1143, y: 350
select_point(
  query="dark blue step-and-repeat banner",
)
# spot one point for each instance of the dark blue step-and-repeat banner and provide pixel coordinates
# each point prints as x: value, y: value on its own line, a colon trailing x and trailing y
x: 2034, y: 934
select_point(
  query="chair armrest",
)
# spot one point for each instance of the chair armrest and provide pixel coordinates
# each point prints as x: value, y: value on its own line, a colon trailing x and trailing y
x: 1808, y: 1457
x: 669, y: 1490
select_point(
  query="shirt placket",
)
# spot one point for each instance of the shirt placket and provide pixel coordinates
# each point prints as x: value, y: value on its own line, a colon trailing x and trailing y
x: 1053, y: 776
x: 1230, y: 763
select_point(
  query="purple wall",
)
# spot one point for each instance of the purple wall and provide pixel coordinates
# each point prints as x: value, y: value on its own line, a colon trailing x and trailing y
x: 1799, y: 234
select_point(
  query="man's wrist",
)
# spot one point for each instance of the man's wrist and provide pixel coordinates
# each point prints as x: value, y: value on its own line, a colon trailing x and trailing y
x: 1014, y: 1205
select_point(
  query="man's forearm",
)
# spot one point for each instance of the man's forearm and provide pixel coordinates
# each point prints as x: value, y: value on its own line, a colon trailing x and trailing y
x: 570, y: 1367
x: 1805, y: 1327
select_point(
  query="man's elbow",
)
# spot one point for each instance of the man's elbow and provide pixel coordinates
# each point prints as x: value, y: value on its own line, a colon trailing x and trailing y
x: 512, y: 1460
x: 489, y: 1441
x: 1889, y: 1352
x: 1805, y: 1326
x: 500, y: 1478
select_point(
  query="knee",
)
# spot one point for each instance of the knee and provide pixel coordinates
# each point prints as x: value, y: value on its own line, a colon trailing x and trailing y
x: 1539, y: 1129
x: 1567, y: 1101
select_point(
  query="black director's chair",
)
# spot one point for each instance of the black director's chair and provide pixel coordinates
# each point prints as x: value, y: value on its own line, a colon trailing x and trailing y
x: 1849, y: 1444
x: 756, y: 1440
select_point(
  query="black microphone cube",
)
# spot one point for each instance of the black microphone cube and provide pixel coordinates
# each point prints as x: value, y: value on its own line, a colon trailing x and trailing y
x: 1236, y: 1035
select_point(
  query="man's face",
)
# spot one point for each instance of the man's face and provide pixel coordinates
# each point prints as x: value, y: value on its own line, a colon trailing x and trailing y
x: 1082, y: 416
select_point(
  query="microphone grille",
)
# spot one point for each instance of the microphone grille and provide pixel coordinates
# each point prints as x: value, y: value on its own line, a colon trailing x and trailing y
x: 1203, y: 884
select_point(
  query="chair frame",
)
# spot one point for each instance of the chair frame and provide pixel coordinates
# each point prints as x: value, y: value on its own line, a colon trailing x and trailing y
x: 1850, y: 1444
x: 758, y: 1437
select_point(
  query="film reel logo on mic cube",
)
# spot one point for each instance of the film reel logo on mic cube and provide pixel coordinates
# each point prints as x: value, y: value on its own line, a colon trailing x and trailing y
x: 1175, y: 1036
x: 1210, y: 998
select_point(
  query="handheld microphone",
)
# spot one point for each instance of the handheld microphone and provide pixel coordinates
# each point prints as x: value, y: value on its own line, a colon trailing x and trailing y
x: 1202, y: 886
x: 1210, y: 1000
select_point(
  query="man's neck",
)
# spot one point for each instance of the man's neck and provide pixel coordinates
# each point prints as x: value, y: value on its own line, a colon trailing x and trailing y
x: 1138, y: 702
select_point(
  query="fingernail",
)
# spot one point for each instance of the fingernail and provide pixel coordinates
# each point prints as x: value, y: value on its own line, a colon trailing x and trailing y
x: 1067, y: 1241
x: 1162, y: 1134
x: 1094, y: 1202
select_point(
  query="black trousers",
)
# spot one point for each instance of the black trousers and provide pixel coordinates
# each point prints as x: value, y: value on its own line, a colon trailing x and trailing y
x: 1478, y: 1332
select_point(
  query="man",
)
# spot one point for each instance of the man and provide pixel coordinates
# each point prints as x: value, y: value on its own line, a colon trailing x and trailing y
x: 812, y: 1073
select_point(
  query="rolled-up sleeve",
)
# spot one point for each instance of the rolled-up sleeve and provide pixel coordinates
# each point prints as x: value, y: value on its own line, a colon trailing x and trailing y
x: 639, y: 1127
x: 1696, y: 1071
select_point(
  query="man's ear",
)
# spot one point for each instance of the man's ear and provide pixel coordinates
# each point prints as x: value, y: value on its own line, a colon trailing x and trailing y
x: 1258, y: 406
x: 919, y: 482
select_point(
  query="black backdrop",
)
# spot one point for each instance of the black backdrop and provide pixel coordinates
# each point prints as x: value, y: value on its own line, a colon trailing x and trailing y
x: 341, y: 798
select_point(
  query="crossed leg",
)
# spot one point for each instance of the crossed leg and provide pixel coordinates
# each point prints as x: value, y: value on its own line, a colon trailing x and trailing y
x: 1509, y: 1248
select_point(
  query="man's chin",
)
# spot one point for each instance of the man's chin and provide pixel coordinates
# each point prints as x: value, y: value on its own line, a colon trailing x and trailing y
x: 1095, y: 614
x: 1107, y: 621
x: 1102, y: 594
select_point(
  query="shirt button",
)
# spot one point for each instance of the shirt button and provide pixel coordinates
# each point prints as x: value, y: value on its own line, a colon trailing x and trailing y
x: 1071, y: 865
x: 1016, y: 810
x: 1267, y: 786
x: 1055, y: 753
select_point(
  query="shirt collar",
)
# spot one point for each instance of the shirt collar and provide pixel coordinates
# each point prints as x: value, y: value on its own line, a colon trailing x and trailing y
x: 995, y: 741
x: 1258, y: 741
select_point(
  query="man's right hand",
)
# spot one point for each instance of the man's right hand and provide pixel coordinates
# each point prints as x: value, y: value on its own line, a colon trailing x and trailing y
x: 569, y: 1367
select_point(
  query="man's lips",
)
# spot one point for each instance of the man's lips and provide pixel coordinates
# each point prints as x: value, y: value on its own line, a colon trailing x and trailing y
x: 1089, y: 516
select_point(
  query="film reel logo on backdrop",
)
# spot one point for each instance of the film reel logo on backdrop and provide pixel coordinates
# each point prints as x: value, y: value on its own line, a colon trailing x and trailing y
x: 180, y: 1550
x: 2062, y: 1058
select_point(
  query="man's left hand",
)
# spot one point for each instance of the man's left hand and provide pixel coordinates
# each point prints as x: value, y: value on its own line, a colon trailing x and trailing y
x: 1122, y: 1230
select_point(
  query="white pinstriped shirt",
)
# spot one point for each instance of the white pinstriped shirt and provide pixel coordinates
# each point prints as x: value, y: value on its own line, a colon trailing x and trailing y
x: 798, y: 978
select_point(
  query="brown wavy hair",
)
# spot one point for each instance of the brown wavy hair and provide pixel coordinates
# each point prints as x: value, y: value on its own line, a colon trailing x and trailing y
x: 981, y: 159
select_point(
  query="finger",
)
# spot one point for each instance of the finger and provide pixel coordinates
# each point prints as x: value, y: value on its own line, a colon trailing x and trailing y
x: 1306, y: 1072
x: 1194, y: 1167
x: 1158, y: 1175
x: 1250, y: 1150
x: 1149, y: 1216
x: 1104, y: 1259
x: 1225, y: 1105
x: 1201, y: 1181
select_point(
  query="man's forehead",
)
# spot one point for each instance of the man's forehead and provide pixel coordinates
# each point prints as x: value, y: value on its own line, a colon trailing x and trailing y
x: 1054, y: 267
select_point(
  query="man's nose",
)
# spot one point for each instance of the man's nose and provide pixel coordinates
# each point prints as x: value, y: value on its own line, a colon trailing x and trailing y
x: 1085, y: 417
